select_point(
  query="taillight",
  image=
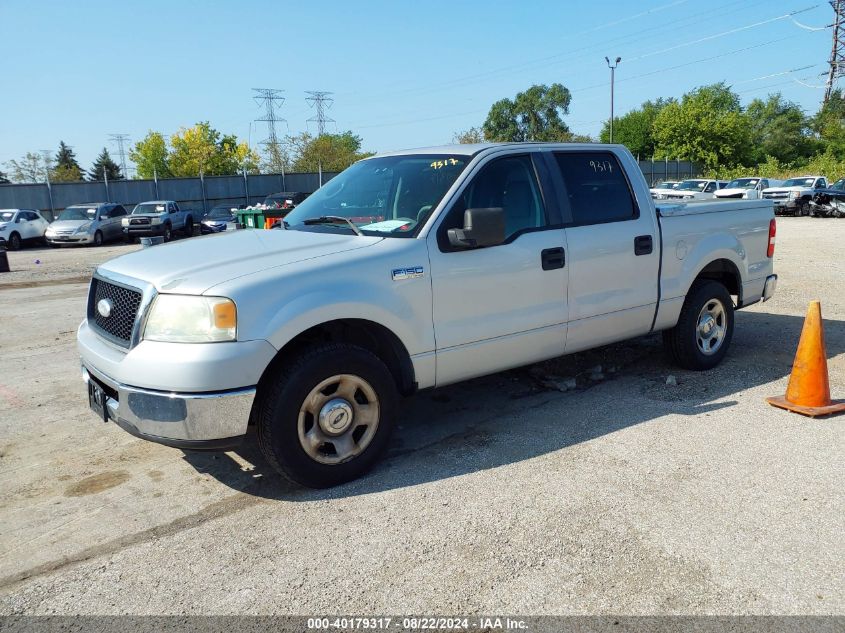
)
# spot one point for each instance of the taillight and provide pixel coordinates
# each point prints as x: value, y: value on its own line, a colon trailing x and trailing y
x: 772, y: 230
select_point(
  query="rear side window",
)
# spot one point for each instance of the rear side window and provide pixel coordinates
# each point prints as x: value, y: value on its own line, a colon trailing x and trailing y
x: 596, y: 187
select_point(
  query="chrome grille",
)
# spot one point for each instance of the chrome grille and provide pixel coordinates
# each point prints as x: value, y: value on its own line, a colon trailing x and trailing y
x: 139, y: 221
x: 776, y: 195
x: 118, y: 326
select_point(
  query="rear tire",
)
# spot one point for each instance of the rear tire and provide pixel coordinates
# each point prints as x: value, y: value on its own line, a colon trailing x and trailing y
x: 325, y: 416
x: 705, y: 327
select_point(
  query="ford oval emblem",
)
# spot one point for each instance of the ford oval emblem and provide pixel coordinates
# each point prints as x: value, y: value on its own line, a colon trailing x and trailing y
x: 104, y: 307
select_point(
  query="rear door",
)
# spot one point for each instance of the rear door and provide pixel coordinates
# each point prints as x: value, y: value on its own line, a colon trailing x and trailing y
x: 501, y: 306
x: 613, y: 249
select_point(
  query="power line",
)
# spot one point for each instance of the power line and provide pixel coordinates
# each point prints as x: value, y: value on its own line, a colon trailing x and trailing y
x: 121, y: 150
x: 320, y: 101
x: 837, y: 50
x: 270, y: 99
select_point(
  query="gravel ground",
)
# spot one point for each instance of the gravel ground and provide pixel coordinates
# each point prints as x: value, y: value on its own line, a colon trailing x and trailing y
x: 625, y: 495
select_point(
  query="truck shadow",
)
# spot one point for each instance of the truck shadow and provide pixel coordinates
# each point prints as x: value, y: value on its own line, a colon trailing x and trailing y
x: 515, y: 415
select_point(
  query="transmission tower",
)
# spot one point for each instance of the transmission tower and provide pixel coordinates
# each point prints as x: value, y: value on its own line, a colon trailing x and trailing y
x: 120, y: 139
x: 837, y: 50
x: 270, y: 99
x: 320, y: 101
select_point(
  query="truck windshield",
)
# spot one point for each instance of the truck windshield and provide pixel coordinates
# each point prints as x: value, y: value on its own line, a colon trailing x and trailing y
x: 692, y: 185
x: 78, y: 213
x: 743, y: 183
x: 147, y: 207
x: 389, y: 196
x: 799, y: 182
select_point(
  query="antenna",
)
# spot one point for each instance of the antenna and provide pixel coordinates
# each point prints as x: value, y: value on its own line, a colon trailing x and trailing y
x: 320, y: 101
x: 271, y: 98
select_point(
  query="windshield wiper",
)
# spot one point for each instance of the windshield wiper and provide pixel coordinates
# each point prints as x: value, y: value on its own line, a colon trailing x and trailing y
x: 334, y: 219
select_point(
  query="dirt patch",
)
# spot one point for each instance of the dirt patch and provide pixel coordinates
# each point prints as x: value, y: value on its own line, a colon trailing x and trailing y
x: 97, y: 483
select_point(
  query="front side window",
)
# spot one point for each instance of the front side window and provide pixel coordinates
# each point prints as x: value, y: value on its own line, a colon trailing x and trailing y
x: 710, y: 188
x: 596, y: 187
x: 507, y: 183
x: 391, y: 196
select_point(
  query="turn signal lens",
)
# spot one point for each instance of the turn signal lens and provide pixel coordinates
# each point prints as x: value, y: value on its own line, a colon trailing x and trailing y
x: 224, y: 315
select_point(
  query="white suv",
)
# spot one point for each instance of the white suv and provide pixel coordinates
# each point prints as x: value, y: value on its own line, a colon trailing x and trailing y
x: 21, y: 225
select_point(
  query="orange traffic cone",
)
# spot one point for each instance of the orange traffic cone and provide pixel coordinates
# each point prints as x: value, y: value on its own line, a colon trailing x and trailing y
x: 808, y: 391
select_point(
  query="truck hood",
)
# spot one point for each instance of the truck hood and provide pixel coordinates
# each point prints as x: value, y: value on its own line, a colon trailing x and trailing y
x: 194, y: 265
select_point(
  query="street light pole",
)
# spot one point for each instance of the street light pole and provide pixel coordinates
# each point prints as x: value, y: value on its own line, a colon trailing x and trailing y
x: 612, y: 76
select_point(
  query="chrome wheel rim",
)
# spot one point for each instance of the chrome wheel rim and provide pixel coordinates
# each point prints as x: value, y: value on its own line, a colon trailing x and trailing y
x: 338, y: 419
x: 712, y: 327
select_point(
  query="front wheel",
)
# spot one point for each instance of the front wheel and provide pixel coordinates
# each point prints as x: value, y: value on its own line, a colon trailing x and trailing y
x: 704, y: 330
x: 168, y: 233
x: 14, y: 242
x: 805, y: 208
x: 325, y: 417
x: 98, y: 238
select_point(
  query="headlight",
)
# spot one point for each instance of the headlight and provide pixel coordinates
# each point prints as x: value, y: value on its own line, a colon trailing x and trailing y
x: 793, y: 195
x: 661, y: 196
x: 50, y: 230
x: 689, y: 197
x: 155, y: 221
x: 191, y: 319
x: 84, y: 227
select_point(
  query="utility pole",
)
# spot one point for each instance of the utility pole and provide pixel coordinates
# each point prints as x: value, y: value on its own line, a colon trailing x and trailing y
x: 270, y: 99
x: 120, y: 139
x: 48, y: 163
x: 612, y: 77
x: 320, y: 101
x: 837, y: 50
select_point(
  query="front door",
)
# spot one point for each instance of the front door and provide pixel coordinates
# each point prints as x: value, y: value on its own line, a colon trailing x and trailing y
x: 500, y: 306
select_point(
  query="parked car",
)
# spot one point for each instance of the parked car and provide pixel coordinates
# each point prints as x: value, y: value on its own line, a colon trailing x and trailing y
x: 284, y: 200
x: 746, y: 188
x: 20, y: 226
x: 695, y: 189
x: 218, y: 217
x: 795, y: 195
x: 484, y: 258
x: 830, y: 202
x: 662, y: 188
x: 157, y: 217
x: 90, y: 223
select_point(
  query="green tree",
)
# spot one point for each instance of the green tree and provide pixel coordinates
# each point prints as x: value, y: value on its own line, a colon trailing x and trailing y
x: 202, y: 149
x: 829, y: 124
x: 30, y: 168
x: 707, y: 126
x: 329, y: 152
x: 150, y: 156
x: 66, y: 167
x: 104, y: 164
x: 533, y: 115
x: 635, y: 130
x: 779, y: 129
x: 472, y: 135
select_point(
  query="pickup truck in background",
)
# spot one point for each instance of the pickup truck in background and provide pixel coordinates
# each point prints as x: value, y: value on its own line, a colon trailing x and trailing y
x: 746, y: 188
x: 464, y: 260
x: 694, y: 189
x: 794, y: 196
x: 157, y: 218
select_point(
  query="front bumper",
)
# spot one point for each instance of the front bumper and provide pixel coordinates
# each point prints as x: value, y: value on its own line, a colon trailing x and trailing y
x: 70, y: 238
x: 198, y: 421
x: 785, y: 205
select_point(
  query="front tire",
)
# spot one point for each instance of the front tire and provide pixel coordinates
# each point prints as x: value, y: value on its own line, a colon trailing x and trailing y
x: 14, y: 242
x: 805, y: 208
x: 98, y: 238
x: 325, y: 416
x: 168, y: 233
x: 705, y: 327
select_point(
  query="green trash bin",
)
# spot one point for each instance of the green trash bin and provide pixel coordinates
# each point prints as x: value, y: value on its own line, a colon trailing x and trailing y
x: 251, y: 218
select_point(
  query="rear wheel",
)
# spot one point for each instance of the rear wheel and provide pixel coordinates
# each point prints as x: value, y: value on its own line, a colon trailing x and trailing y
x: 325, y: 417
x: 14, y: 242
x: 704, y: 330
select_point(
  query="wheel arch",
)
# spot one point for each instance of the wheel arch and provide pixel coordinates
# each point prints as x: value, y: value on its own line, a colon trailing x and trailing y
x: 372, y: 336
x: 725, y: 272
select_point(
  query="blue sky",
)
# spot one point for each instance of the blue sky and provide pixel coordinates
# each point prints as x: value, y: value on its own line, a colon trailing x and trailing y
x: 404, y: 74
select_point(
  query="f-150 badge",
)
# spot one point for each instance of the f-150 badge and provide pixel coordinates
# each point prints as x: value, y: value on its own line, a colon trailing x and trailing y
x: 399, y: 274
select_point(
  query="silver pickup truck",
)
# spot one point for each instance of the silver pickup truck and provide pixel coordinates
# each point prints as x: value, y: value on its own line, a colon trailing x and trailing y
x: 409, y: 271
x: 157, y: 218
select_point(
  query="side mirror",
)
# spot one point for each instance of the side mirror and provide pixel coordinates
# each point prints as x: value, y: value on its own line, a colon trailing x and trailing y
x: 482, y: 227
